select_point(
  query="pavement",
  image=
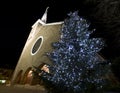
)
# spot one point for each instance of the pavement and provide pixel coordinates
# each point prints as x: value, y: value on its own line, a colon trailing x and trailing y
x: 22, y: 89
x: 26, y: 89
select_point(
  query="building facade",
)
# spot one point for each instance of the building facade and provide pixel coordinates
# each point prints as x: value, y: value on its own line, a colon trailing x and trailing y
x: 39, y: 42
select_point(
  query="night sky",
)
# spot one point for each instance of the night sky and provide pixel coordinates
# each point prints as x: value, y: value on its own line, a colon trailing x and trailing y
x: 16, y: 19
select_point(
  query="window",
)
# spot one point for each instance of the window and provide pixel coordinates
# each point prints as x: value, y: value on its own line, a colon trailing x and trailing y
x: 37, y: 45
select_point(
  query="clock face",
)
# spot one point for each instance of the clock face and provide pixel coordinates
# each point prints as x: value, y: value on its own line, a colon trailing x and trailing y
x: 37, y: 45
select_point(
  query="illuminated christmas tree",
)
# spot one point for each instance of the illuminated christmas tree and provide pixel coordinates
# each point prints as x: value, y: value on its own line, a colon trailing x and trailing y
x: 77, y: 68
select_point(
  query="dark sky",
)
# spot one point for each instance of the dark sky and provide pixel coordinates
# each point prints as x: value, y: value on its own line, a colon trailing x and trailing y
x: 16, y: 19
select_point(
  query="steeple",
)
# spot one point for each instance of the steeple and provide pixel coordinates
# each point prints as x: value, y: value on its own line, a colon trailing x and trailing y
x: 44, y: 17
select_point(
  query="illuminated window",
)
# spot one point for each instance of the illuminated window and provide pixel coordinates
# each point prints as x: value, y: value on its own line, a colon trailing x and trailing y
x: 37, y: 45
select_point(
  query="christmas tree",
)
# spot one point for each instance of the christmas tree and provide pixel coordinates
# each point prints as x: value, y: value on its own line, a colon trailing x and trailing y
x: 76, y: 68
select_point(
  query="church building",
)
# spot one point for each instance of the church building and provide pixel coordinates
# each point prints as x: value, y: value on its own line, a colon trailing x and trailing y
x: 39, y: 42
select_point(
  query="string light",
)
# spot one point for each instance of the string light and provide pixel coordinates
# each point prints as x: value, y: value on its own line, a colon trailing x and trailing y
x: 75, y: 60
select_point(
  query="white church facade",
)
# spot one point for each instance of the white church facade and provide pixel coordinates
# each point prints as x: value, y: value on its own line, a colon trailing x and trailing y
x: 39, y: 42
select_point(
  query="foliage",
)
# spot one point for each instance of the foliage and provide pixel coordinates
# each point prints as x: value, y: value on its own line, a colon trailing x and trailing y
x: 77, y: 66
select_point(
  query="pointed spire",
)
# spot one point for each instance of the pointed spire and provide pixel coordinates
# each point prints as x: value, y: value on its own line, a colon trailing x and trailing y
x: 44, y: 17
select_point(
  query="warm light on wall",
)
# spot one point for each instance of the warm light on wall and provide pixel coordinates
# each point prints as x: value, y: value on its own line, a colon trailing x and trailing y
x: 30, y: 74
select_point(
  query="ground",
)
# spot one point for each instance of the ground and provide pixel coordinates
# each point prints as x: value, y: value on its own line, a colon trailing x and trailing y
x: 21, y: 89
x: 25, y: 89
